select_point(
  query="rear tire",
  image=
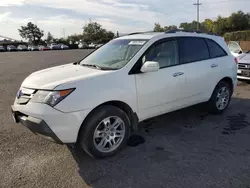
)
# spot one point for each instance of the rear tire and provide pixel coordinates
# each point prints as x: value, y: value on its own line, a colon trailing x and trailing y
x: 105, y: 132
x: 220, y: 98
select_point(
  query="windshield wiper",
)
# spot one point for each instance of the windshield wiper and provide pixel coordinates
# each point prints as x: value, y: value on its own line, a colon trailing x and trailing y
x: 90, y: 65
x: 97, y: 67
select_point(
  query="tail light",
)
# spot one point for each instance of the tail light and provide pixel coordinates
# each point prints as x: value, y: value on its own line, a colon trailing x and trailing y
x: 236, y: 60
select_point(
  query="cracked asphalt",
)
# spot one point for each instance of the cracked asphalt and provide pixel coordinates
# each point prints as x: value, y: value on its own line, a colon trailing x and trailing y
x: 187, y: 148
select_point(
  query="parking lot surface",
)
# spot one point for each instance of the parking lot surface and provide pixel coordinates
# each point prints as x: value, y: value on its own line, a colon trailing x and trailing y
x: 187, y: 148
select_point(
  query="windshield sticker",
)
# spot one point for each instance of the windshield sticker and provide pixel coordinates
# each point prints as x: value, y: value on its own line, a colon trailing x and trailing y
x: 140, y: 43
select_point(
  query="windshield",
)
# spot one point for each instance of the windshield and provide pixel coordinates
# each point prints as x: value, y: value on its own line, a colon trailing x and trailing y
x: 115, y: 54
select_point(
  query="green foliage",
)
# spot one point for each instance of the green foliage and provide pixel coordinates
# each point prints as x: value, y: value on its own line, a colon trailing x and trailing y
x: 50, y: 37
x: 158, y: 28
x: 237, y: 21
x: 74, y: 38
x: 208, y: 25
x: 31, y: 32
x: 238, y: 36
x: 93, y: 32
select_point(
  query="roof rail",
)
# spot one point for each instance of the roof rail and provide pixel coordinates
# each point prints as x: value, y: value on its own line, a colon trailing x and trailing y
x: 189, y: 31
x: 140, y: 32
x: 182, y: 30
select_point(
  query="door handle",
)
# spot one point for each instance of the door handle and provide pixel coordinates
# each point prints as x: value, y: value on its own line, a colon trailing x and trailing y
x: 178, y: 74
x: 214, y: 65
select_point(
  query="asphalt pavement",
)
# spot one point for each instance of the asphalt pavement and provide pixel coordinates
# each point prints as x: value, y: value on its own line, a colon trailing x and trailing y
x: 187, y: 148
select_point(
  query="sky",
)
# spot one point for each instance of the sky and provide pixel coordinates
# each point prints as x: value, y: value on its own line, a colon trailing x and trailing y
x: 69, y: 16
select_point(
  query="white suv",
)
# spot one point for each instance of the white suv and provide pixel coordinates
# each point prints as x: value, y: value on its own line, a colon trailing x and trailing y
x: 99, y: 100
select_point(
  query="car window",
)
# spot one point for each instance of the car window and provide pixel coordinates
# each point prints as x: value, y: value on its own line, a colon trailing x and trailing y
x: 193, y: 49
x: 234, y: 47
x: 214, y: 49
x: 165, y: 53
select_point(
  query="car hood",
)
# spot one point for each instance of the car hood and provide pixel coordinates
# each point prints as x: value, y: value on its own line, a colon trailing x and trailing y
x: 245, y: 58
x: 50, y: 78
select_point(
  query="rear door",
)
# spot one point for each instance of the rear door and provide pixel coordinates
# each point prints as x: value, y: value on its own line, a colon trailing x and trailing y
x: 202, y: 72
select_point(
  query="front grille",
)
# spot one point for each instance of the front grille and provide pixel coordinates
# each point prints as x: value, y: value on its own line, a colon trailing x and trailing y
x: 244, y: 66
x: 24, y: 95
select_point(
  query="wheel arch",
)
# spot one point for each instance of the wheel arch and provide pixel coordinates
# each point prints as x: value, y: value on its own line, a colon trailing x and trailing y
x: 227, y: 80
x: 119, y: 104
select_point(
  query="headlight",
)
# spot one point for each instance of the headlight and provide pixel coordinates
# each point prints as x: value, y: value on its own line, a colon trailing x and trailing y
x: 51, y: 98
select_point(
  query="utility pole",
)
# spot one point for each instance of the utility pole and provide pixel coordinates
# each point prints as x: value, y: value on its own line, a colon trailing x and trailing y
x: 63, y: 33
x: 198, y: 13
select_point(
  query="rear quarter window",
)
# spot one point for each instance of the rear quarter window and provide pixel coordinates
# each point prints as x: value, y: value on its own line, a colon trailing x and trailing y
x: 215, y: 49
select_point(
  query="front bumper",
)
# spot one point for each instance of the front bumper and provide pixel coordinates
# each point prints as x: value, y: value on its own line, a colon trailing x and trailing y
x: 63, y: 127
x: 37, y: 126
x: 243, y: 74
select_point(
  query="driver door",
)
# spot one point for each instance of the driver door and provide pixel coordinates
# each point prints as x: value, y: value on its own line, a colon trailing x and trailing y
x: 164, y: 90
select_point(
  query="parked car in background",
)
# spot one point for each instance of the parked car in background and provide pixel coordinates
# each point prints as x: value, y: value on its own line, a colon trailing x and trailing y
x: 82, y: 45
x: 63, y: 46
x: 98, y: 46
x: 43, y: 48
x: 11, y: 48
x: 98, y: 101
x: 22, y: 47
x: 33, y: 48
x: 2, y: 49
x: 54, y: 46
x: 92, y: 45
x: 243, y: 71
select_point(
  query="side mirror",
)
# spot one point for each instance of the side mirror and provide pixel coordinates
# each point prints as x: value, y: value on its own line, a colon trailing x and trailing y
x: 150, y: 66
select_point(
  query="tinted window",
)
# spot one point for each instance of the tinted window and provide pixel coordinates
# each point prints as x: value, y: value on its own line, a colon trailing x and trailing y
x: 215, y: 49
x: 193, y: 49
x: 165, y: 53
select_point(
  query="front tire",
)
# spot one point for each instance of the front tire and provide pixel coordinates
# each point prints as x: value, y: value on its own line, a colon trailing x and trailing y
x: 220, y: 98
x: 105, y: 132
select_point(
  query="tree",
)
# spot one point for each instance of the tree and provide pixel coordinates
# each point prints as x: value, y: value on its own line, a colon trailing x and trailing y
x: 238, y: 21
x: 235, y: 22
x: 192, y: 26
x: 93, y: 32
x: 74, y: 38
x: 208, y: 24
x: 221, y: 26
x: 31, y: 32
x: 50, y: 37
x: 158, y: 28
x: 171, y: 27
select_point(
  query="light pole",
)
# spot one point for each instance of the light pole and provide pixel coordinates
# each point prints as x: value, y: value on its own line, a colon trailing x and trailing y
x: 198, y: 13
x: 64, y: 33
